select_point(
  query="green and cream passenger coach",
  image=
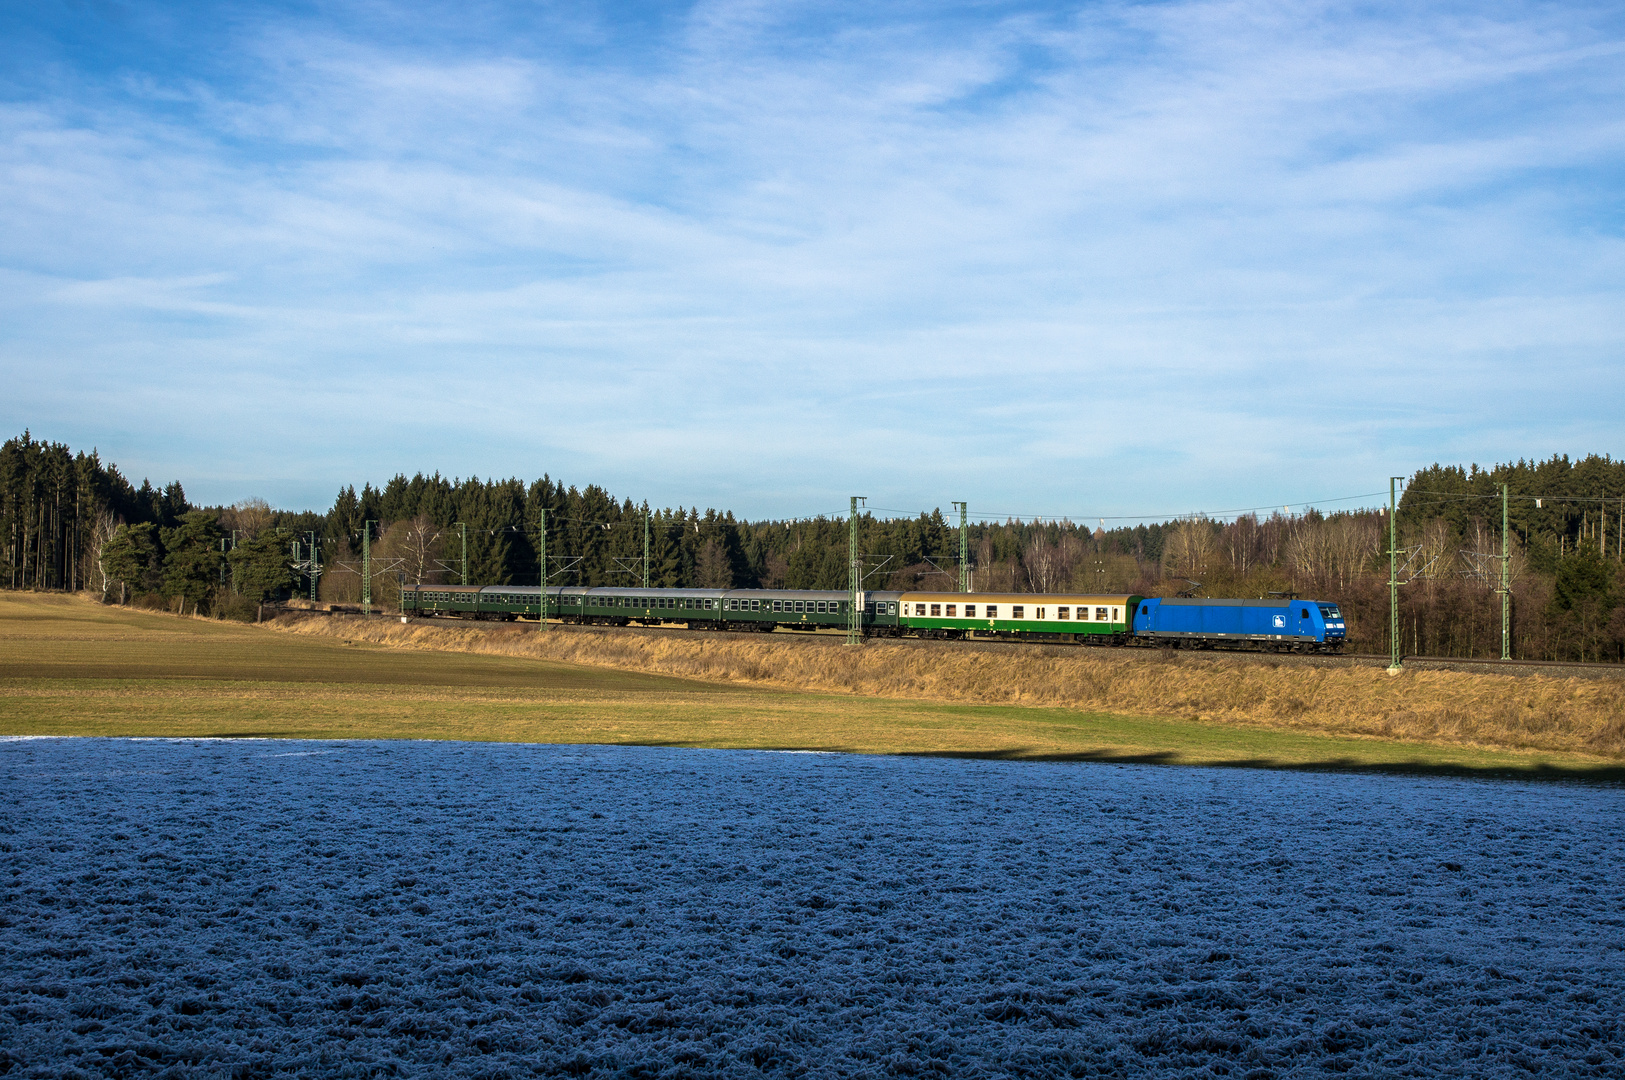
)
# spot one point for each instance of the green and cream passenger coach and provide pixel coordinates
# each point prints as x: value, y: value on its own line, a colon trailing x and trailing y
x: 1095, y: 620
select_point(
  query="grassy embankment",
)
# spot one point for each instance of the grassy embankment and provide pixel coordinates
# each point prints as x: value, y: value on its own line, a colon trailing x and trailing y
x: 71, y: 667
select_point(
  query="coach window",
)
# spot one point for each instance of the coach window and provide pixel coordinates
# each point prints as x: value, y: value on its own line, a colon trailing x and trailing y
x: 919, y: 611
x: 1063, y: 613
x: 993, y: 611
x: 970, y: 611
x: 952, y: 610
x: 1040, y: 614
x: 1019, y: 611
x: 1101, y: 614
x: 936, y: 611
x: 756, y: 605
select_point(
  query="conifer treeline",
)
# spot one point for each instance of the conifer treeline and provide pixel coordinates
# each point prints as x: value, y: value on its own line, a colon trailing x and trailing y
x: 59, y: 509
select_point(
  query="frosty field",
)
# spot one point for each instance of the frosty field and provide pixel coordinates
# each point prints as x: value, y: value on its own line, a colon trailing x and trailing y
x: 264, y: 908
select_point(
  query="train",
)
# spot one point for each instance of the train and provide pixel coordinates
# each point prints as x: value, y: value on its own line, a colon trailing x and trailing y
x: 1278, y: 624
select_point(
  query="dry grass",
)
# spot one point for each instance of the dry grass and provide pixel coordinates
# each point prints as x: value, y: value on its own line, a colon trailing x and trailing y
x: 1494, y: 711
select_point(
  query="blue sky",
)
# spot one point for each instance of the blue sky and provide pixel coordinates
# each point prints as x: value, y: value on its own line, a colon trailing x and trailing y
x: 1087, y: 260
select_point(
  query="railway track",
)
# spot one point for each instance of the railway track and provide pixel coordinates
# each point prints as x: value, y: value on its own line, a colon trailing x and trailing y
x: 1552, y: 668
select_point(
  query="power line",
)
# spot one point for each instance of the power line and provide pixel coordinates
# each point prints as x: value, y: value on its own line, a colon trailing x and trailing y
x: 1084, y: 516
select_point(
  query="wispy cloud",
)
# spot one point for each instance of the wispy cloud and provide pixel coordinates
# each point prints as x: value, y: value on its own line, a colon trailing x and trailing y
x: 1110, y: 258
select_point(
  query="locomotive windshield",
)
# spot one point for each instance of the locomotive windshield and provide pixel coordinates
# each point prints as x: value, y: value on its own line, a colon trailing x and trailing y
x: 1329, y: 611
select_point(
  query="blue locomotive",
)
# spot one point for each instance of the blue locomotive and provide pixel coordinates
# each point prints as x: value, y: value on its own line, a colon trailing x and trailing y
x: 1273, y: 623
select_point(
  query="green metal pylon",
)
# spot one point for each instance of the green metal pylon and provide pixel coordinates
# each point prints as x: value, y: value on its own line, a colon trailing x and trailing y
x: 964, y: 548
x: 854, y: 610
x: 366, y: 567
x: 315, y: 564
x: 541, y: 550
x: 1506, y: 582
x: 1393, y: 582
x: 645, y: 545
x: 463, y: 580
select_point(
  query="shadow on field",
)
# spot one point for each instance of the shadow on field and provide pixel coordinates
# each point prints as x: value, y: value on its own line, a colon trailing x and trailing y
x: 1605, y: 774
x: 1597, y: 774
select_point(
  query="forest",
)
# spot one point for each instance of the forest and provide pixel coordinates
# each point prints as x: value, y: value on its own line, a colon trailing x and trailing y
x: 71, y: 521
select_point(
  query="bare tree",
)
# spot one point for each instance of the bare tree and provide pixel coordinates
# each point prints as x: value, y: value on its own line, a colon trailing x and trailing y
x: 419, y: 545
x: 1244, y: 542
x: 711, y: 566
x: 1348, y: 542
x: 1308, y: 552
x: 1438, y: 554
x: 102, y: 528
x: 1105, y: 574
x: 1188, y: 548
x: 248, y: 518
x: 1042, y: 563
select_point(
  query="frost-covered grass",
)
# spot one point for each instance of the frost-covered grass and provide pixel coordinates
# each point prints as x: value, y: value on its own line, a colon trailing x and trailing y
x: 368, y: 908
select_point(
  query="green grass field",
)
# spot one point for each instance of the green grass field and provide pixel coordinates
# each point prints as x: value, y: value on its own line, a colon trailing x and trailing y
x: 68, y: 667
